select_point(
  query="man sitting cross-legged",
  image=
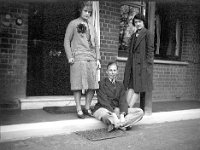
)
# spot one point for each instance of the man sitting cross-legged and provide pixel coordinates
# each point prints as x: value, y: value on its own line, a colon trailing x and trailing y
x: 112, y: 107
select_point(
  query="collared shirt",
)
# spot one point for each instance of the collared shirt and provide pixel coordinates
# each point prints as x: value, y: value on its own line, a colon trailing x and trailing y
x: 138, y: 32
x: 112, y: 80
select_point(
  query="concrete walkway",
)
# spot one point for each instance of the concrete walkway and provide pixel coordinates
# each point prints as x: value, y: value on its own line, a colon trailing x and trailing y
x: 66, y: 124
x: 178, y: 135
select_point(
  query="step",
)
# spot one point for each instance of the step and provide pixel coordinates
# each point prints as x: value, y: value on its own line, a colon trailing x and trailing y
x: 38, y: 102
x: 38, y: 129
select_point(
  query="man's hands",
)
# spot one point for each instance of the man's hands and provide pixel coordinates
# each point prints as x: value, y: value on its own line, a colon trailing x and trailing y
x: 118, y: 121
x: 122, y: 118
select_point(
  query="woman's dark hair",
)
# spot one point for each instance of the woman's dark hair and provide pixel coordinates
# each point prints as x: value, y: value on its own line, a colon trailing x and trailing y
x: 80, y: 5
x: 140, y: 17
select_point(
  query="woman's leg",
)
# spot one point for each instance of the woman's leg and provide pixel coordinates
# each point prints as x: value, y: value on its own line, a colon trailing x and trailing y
x: 132, y: 97
x: 88, y: 98
x: 77, y: 97
x: 129, y: 95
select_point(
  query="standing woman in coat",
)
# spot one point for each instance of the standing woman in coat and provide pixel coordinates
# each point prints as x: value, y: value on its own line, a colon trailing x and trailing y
x: 138, y: 76
x: 82, y: 49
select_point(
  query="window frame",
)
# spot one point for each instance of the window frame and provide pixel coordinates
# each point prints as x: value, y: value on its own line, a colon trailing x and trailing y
x: 174, y: 53
x: 163, y: 55
x: 136, y: 5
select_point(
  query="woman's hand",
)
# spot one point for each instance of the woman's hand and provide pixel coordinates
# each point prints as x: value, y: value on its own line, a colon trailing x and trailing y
x: 98, y: 64
x: 71, y: 61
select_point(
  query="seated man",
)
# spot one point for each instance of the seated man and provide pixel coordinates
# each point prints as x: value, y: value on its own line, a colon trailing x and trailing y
x: 112, y: 107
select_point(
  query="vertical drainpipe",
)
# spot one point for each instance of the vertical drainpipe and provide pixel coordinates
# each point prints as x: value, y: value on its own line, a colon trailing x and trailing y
x: 147, y: 99
x: 151, y: 16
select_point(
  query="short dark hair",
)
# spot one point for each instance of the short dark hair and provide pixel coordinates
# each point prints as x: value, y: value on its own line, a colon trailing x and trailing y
x: 111, y: 63
x: 80, y: 5
x: 139, y: 16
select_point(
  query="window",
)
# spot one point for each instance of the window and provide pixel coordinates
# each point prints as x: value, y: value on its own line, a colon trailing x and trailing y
x: 167, y: 29
x: 168, y: 32
x: 128, y: 11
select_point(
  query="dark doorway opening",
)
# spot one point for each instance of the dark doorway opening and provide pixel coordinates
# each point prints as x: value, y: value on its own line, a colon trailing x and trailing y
x: 48, y: 71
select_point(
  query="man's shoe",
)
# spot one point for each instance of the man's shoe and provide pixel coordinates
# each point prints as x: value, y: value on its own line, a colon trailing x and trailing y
x: 110, y: 127
x: 129, y: 128
x: 122, y: 128
x: 126, y: 128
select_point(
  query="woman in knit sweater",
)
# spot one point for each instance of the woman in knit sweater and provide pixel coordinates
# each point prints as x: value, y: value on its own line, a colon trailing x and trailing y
x: 82, y: 49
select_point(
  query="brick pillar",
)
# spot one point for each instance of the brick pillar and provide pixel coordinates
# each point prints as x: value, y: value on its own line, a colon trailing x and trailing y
x: 146, y: 102
x: 13, y: 50
x: 109, y: 32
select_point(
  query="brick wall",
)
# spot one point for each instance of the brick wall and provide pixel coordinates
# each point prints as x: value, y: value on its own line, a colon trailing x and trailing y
x: 175, y: 82
x: 109, y: 32
x: 13, y: 50
x: 171, y: 81
x: 191, y: 52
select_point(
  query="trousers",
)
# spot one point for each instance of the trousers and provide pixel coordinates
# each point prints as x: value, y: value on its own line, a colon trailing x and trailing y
x: 133, y: 116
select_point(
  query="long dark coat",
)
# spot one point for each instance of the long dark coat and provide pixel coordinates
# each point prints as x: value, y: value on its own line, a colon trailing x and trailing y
x: 140, y: 60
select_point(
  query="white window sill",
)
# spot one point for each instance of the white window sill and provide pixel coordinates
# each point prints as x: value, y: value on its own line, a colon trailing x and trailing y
x: 157, y: 61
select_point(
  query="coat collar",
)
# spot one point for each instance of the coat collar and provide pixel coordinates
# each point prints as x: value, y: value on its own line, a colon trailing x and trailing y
x: 140, y: 37
x: 108, y: 81
x: 111, y: 87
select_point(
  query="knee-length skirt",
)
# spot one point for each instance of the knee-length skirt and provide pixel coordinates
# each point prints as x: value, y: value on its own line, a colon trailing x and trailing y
x: 83, y: 75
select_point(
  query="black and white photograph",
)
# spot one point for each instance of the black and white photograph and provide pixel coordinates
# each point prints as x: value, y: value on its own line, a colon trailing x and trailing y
x: 103, y: 75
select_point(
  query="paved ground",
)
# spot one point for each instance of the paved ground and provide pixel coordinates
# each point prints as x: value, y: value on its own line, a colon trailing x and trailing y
x: 180, y: 135
x: 39, y: 115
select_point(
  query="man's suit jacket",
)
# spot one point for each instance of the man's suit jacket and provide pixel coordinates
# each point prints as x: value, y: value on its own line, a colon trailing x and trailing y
x: 111, y: 95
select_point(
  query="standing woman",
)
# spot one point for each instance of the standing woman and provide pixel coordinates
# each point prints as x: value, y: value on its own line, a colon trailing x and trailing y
x: 82, y: 49
x: 138, y: 76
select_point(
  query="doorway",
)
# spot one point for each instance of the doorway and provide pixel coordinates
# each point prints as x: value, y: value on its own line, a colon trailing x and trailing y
x: 48, y: 71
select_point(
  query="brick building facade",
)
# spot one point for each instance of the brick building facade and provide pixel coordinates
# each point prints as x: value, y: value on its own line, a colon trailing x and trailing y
x: 13, y: 51
x: 173, y: 80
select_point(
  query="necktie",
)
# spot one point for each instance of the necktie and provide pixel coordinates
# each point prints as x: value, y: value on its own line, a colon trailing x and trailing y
x: 113, y: 81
